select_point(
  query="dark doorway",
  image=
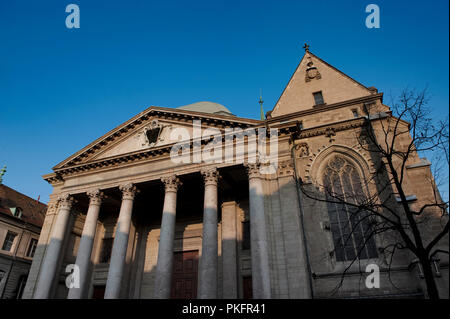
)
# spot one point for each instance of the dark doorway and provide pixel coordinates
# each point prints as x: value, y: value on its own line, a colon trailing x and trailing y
x: 99, y: 292
x: 184, y: 276
x: 248, y: 289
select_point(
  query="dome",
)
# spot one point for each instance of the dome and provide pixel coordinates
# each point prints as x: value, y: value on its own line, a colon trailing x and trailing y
x: 206, y: 107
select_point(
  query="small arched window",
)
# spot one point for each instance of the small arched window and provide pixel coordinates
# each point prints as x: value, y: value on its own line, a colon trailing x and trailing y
x: 350, y: 226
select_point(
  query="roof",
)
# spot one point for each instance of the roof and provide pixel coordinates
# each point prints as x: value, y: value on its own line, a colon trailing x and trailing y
x: 33, y: 211
x: 206, y: 107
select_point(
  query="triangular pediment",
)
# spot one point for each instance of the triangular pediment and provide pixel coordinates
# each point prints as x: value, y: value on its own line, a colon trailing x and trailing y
x: 150, y: 129
x: 155, y: 134
x: 315, y: 75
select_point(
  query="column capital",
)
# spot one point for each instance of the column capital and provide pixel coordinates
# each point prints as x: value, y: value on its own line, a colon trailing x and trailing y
x: 128, y: 191
x: 210, y: 176
x: 253, y: 170
x: 171, y: 183
x: 66, y: 201
x: 95, y: 196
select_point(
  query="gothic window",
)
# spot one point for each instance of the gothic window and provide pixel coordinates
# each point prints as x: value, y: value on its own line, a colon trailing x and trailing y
x: 350, y: 227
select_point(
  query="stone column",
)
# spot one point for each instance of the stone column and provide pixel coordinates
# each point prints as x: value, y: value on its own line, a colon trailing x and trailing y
x: 229, y: 245
x: 258, y: 235
x: 294, y: 245
x: 52, y: 255
x: 163, y: 275
x: 86, y: 243
x: 119, y: 251
x: 207, y: 270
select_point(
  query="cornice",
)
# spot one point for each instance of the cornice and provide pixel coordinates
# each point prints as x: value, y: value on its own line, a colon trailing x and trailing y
x: 128, y: 158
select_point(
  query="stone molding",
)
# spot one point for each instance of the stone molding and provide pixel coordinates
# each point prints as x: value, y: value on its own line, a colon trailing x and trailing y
x: 129, y: 191
x: 95, y: 197
x: 286, y: 168
x: 52, y: 207
x: 171, y: 183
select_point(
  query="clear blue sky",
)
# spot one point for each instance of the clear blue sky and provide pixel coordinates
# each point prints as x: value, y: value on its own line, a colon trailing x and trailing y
x: 62, y: 88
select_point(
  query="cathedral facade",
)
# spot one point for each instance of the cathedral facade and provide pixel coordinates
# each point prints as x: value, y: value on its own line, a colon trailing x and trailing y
x: 159, y: 207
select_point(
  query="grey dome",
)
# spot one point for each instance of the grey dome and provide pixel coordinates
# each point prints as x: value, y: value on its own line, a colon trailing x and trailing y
x: 206, y: 107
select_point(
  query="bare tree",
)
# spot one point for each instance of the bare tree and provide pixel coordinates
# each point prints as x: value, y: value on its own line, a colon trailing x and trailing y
x: 380, y: 206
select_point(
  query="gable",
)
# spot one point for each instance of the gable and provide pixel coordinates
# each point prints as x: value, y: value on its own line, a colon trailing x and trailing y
x: 315, y: 75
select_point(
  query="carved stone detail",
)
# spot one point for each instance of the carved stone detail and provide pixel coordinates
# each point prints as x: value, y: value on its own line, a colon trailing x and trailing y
x: 253, y: 170
x: 66, y: 201
x: 329, y: 132
x: 210, y: 176
x: 302, y: 149
x: 95, y: 197
x: 285, y: 168
x: 128, y: 191
x: 151, y: 134
x: 171, y: 183
x: 52, y: 207
x: 312, y: 72
x: 363, y: 139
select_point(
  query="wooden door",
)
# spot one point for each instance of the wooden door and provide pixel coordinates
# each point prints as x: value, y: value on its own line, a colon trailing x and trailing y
x: 248, y: 289
x: 184, y: 275
x: 99, y: 292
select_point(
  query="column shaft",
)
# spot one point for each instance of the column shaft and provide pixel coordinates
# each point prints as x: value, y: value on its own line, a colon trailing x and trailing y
x: 229, y: 255
x: 258, y: 236
x: 119, y: 251
x: 86, y: 243
x: 52, y: 255
x: 207, y: 285
x: 163, y: 278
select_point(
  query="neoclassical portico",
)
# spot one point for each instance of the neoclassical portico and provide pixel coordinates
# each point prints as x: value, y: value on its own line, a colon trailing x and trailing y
x: 208, y: 266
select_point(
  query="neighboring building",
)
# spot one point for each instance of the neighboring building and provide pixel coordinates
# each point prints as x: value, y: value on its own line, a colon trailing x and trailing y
x: 21, y: 219
x: 237, y: 233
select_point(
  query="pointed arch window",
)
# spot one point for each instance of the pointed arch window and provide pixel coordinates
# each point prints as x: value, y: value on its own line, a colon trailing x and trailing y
x: 350, y: 227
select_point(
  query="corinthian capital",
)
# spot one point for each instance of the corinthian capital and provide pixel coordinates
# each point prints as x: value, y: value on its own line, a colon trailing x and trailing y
x: 96, y: 196
x: 253, y: 170
x: 66, y: 201
x: 128, y: 191
x: 171, y: 183
x: 210, y: 176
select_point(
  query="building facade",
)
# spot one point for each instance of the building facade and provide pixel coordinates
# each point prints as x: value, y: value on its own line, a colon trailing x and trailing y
x: 156, y: 209
x: 21, y: 219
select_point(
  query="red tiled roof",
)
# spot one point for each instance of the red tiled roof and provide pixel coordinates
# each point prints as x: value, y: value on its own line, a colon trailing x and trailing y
x: 33, y: 212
